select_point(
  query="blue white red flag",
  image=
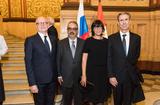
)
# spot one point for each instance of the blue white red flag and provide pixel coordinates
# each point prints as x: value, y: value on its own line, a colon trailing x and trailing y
x: 82, y: 23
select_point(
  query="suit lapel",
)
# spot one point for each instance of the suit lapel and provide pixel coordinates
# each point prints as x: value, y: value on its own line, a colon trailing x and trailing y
x: 131, y: 43
x: 77, y: 48
x: 41, y: 43
x: 52, y: 43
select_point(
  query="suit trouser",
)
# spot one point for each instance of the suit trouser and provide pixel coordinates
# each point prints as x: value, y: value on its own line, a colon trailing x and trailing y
x: 123, y: 93
x: 71, y: 93
x: 45, y: 95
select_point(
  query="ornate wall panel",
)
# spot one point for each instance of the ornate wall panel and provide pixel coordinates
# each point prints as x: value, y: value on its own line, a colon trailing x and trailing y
x: 66, y: 1
x: 75, y: 1
x: 37, y: 8
x: 144, y: 42
x: 16, y: 8
x: 141, y: 3
x: 156, y: 46
x: 4, y: 8
x: 155, y: 2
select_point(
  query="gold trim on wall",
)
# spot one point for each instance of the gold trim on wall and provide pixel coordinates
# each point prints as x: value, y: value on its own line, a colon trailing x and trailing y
x: 140, y: 3
x: 16, y: 8
x: 4, y: 8
x: 37, y: 8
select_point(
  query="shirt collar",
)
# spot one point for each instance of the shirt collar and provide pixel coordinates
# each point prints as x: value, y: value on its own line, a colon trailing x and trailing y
x: 75, y: 40
x: 42, y: 35
x: 121, y: 33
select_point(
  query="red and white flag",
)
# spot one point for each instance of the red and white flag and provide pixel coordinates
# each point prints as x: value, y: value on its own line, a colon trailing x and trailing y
x: 101, y: 17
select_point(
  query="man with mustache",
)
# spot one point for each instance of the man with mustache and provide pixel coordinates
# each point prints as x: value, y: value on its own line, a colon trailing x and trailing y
x: 69, y: 57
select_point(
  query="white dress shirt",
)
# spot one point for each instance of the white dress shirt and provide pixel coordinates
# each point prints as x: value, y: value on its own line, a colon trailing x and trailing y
x: 3, y: 46
x: 48, y: 39
x: 75, y: 42
x: 127, y: 38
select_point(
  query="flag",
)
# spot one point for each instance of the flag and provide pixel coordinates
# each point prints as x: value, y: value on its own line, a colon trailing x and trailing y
x: 82, y: 23
x: 101, y: 17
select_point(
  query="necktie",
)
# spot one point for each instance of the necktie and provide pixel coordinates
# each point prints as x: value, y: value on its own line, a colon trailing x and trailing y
x: 73, y: 48
x: 46, y: 43
x: 124, y: 43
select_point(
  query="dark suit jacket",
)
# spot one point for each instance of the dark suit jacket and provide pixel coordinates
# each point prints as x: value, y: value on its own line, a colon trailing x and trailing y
x: 68, y: 67
x: 121, y: 66
x: 53, y: 32
x: 40, y: 63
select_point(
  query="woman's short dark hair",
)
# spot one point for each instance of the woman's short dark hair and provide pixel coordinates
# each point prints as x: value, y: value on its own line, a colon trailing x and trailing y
x: 97, y: 23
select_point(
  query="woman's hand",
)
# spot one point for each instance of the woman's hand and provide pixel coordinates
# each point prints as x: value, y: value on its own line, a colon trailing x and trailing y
x: 83, y: 81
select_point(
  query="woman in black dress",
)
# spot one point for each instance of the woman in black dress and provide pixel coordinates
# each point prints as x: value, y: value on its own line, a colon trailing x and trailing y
x: 94, y: 65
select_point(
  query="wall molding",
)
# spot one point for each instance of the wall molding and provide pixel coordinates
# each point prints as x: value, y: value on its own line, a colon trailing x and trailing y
x: 74, y: 6
x: 149, y: 66
x: 24, y: 19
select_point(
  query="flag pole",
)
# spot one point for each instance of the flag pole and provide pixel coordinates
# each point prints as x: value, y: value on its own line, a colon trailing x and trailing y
x: 101, y: 17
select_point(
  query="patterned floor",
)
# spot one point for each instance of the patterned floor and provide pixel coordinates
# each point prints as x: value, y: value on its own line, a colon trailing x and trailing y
x: 151, y: 83
x: 151, y: 87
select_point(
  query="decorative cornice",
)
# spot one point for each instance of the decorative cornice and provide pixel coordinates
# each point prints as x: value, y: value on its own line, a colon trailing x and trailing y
x: 74, y: 6
x: 24, y: 19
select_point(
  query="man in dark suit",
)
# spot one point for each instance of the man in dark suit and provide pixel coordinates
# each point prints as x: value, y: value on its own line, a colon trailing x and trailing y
x: 124, y: 51
x: 69, y: 58
x: 40, y: 60
x: 3, y: 50
x: 51, y: 29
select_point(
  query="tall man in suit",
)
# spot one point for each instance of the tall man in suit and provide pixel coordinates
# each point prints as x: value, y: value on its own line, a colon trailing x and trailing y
x: 51, y: 29
x: 40, y: 60
x: 69, y: 57
x: 3, y: 50
x: 124, y: 51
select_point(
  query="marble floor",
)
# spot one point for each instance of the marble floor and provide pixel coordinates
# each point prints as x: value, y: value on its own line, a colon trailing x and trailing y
x: 151, y: 87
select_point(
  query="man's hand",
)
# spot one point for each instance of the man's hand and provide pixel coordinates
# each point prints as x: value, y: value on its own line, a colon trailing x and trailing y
x: 113, y: 81
x: 60, y: 80
x: 34, y: 89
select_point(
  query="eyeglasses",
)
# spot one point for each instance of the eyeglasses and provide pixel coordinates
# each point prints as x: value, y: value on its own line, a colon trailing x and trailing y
x: 42, y: 23
x: 75, y: 29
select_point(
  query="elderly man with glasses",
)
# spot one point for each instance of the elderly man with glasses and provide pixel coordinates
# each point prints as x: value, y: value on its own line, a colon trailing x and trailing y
x: 40, y: 60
